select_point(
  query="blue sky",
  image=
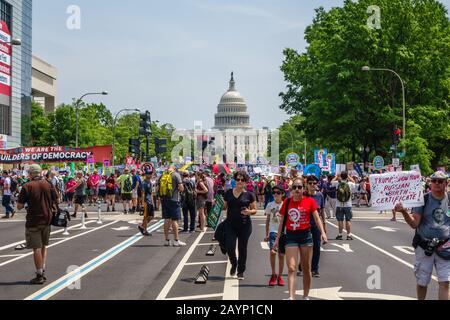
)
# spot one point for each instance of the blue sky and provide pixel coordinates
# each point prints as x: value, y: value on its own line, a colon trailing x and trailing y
x: 175, y: 57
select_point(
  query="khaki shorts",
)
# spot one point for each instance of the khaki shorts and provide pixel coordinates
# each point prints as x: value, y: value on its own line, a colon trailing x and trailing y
x: 423, y: 268
x: 37, y: 237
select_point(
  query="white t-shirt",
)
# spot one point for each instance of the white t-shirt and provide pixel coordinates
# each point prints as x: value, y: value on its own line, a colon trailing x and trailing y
x: 7, y: 192
x: 347, y: 204
x: 273, y: 209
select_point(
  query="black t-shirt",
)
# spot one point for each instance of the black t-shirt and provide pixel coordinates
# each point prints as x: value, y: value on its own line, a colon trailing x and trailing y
x: 236, y: 205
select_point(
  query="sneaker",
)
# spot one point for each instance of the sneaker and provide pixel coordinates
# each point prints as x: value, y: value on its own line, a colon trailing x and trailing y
x: 233, y: 271
x: 147, y: 234
x: 5, y: 217
x: 349, y: 238
x: 38, y: 280
x: 393, y: 219
x: 339, y: 237
x: 280, y: 281
x: 306, y: 298
x: 12, y: 214
x: 288, y: 298
x: 167, y: 243
x: 240, y: 276
x: 73, y: 215
x: 273, y: 281
x: 141, y: 229
x: 316, y: 274
x: 179, y: 244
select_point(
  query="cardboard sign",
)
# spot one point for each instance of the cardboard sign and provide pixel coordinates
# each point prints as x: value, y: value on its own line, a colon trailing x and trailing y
x: 391, y: 188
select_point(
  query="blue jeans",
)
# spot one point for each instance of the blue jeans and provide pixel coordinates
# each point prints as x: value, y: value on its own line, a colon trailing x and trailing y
x: 189, y: 212
x: 6, y: 202
x: 316, y: 248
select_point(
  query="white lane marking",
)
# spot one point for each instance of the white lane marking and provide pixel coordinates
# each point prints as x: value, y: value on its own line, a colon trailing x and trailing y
x: 204, y: 263
x: 405, y: 249
x: 68, y: 279
x: 345, y: 246
x: 265, y: 246
x: 203, y: 296
x: 52, y: 233
x: 207, y: 244
x: 165, y: 291
x: 231, y: 286
x: 336, y: 294
x: 381, y: 250
x: 387, y: 229
x: 56, y: 243
x: 11, y: 221
x: 328, y: 250
x: 11, y: 255
x: 121, y: 229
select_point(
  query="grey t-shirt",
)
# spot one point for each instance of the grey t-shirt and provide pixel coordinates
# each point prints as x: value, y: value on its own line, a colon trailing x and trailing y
x: 176, y: 180
x: 435, y: 221
x: 80, y: 190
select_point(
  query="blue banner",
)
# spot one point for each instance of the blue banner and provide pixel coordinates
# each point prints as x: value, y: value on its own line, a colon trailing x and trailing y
x: 358, y: 169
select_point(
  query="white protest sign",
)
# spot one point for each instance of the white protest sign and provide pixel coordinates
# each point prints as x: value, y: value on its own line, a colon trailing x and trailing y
x: 388, y: 189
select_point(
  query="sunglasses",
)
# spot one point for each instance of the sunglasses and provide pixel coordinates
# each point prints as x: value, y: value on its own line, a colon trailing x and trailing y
x: 312, y: 183
x: 297, y: 187
x: 438, y: 181
x: 240, y: 180
x: 278, y: 193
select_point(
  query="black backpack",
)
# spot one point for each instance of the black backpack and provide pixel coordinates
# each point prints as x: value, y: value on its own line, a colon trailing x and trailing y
x: 189, y: 193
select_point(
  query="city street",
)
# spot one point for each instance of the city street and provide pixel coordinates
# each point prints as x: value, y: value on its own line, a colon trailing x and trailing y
x: 116, y: 262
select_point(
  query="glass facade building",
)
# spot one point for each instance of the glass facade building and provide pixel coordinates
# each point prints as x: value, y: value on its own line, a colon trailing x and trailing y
x: 15, y: 111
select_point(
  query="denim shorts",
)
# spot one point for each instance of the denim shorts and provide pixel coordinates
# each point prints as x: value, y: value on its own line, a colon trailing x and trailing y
x: 171, y: 210
x: 272, y: 238
x: 299, y: 239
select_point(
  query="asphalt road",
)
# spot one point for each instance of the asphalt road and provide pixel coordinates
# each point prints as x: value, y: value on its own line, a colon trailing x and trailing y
x: 112, y: 261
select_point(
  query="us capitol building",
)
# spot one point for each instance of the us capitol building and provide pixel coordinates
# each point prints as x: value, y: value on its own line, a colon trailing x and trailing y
x: 232, y: 134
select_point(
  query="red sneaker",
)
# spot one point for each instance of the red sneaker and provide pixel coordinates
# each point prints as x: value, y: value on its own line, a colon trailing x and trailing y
x: 273, y: 281
x: 280, y: 281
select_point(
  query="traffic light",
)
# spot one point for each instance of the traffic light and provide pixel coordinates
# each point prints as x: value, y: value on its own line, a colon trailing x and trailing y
x: 135, y: 147
x: 160, y: 146
x: 145, y: 128
x: 397, y: 135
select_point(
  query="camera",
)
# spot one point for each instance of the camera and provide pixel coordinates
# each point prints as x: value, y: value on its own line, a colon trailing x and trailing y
x: 432, y: 244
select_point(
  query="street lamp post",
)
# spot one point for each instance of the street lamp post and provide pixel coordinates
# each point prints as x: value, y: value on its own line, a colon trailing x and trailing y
x: 114, y: 132
x: 367, y: 68
x: 77, y: 104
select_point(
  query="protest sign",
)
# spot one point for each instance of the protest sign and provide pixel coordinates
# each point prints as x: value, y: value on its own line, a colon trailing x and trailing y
x: 391, y: 188
x: 215, y: 212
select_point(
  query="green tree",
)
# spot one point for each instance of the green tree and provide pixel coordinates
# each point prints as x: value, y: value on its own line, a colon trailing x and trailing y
x: 347, y: 109
x: 39, y: 125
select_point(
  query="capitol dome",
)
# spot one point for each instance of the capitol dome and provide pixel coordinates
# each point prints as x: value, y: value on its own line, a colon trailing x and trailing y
x: 232, y: 110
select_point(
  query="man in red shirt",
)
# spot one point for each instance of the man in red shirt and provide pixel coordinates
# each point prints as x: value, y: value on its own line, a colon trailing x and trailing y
x: 296, y: 231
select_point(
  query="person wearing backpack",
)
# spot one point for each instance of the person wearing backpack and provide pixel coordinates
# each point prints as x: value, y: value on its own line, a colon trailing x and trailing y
x: 170, y: 186
x: 432, y: 238
x: 126, y: 187
x: 345, y: 187
x: 188, y: 203
x: 268, y: 192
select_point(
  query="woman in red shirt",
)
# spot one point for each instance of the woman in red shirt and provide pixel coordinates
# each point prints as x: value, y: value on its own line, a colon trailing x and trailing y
x: 298, y: 238
x: 70, y: 191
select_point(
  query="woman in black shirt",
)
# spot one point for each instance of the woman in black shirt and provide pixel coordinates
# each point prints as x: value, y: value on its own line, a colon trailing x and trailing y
x: 240, y: 205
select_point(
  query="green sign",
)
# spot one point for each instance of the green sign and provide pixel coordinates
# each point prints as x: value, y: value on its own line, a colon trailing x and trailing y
x: 215, y: 213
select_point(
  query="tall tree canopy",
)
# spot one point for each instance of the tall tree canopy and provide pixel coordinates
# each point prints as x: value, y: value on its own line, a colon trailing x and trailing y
x: 346, y: 108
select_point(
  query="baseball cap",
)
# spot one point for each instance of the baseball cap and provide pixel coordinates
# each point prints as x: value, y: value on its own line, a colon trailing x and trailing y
x: 35, y: 169
x: 439, y: 175
x: 279, y: 187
